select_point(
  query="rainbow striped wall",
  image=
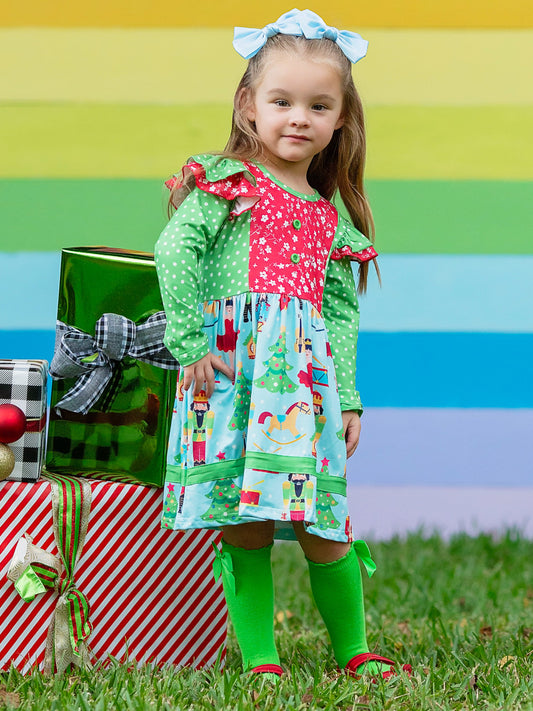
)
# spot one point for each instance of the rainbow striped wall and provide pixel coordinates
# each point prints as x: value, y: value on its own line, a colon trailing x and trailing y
x: 100, y: 101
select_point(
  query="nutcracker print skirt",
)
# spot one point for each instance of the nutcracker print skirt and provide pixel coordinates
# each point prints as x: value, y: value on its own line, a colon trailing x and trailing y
x: 270, y: 445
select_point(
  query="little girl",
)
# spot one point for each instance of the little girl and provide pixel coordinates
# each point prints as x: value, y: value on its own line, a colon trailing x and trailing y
x: 255, y: 275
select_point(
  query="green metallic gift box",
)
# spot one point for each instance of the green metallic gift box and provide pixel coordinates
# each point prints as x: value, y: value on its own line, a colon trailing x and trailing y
x: 123, y: 435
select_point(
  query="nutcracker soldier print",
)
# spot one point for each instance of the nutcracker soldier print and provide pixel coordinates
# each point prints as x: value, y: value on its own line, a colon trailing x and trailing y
x: 200, y: 426
x: 255, y: 239
x: 298, y: 495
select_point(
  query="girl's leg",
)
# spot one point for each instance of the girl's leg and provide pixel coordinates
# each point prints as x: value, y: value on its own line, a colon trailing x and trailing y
x: 338, y: 592
x: 250, y: 599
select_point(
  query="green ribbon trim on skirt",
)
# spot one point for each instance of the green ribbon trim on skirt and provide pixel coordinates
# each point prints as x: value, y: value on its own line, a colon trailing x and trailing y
x: 261, y: 461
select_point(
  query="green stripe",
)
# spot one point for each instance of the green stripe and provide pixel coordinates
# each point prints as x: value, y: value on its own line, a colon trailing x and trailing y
x: 119, y: 213
x: 408, y: 142
x: 205, y: 473
x: 331, y: 484
x: 452, y: 217
x: 229, y: 469
x: 76, y: 503
x: 60, y: 528
x: 46, y: 575
x: 70, y: 524
x: 77, y: 632
x: 426, y: 217
x: 263, y: 461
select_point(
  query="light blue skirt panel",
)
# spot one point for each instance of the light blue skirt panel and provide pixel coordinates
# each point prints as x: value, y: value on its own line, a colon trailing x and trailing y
x: 270, y: 445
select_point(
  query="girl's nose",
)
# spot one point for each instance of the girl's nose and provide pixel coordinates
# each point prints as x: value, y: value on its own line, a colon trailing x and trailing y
x: 299, y: 118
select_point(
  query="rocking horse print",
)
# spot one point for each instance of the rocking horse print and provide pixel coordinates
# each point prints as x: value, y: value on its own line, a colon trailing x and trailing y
x: 285, y: 422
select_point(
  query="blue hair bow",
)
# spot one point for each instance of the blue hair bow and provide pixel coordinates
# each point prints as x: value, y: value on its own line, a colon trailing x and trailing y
x: 302, y: 23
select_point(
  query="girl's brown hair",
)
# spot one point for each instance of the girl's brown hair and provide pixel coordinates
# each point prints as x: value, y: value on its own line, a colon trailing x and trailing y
x: 340, y: 166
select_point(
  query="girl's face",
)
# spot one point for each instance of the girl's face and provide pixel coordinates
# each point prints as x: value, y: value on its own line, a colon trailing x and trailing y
x: 296, y: 108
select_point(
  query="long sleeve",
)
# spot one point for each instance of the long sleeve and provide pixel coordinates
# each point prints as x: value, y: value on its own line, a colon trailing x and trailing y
x: 179, y: 255
x: 340, y: 310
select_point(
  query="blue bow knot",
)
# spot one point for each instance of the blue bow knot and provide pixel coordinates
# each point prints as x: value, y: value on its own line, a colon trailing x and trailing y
x: 300, y: 23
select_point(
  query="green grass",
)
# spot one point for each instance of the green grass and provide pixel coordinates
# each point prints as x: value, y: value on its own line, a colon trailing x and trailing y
x: 459, y: 611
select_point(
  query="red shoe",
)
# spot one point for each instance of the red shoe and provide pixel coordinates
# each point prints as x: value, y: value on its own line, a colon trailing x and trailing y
x: 267, y: 669
x: 361, y: 659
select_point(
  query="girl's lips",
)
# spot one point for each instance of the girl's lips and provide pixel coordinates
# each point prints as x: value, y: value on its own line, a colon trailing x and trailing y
x: 297, y: 138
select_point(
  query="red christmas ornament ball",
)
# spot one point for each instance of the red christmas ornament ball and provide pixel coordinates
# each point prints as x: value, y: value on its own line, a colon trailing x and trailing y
x: 12, y: 423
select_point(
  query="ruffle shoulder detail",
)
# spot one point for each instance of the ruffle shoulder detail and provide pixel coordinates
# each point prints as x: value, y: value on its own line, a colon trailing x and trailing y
x: 226, y: 177
x: 351, y: 243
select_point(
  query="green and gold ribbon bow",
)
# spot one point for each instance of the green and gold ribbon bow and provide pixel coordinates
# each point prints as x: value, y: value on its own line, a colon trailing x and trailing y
x: 39, y: 570
x: 36, y: 579
x: 364, y: 555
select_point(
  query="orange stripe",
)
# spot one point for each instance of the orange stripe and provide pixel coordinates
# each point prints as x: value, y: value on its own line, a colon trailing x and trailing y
x: 213, y: 13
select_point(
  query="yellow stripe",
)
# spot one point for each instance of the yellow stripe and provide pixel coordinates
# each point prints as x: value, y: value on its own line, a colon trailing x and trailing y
x: 189, y: 67
x: 214, y: 13
x: 152, y: 141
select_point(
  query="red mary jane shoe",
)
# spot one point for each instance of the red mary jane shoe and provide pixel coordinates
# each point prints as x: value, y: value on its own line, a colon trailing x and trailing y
x: 361, y: 659
x: 268, y: 669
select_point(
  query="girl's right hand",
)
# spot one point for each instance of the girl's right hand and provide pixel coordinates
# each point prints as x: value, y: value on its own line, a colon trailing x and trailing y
x: 202, y: 373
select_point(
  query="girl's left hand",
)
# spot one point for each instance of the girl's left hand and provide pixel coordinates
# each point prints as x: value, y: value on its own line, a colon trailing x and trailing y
x: 352, y: 429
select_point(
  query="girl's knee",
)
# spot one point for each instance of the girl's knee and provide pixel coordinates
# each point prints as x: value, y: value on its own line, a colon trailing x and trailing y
x: 317, y: 549
x: 250, y: 536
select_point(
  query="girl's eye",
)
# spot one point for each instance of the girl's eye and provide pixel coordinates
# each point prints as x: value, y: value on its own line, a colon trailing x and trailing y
x: 319, y: 107
x: 281, y: 102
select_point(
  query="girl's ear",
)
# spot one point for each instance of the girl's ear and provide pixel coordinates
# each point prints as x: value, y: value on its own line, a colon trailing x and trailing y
x: 340, y: 122
x: 247, y: 104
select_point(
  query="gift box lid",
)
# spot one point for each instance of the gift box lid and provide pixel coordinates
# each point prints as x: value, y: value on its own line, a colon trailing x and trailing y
x: 96, y: 280
x: 23, y: 383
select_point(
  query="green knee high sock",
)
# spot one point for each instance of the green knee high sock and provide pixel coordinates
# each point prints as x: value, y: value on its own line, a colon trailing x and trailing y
x: 338, y: 591
x: 251, y: 603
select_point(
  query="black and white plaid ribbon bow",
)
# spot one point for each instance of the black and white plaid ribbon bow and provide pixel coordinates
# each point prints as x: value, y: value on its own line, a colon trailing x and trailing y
x: 92, y: 360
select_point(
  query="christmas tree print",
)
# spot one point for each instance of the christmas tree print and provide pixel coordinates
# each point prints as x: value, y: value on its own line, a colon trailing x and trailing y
x: 275, y: 379
x: 225, y: 496
x: 324, y: 503
x: 241, y: 401
x: 170, y: 508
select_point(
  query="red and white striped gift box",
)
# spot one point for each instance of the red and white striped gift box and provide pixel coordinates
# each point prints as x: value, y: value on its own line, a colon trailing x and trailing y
x: 152, y: 592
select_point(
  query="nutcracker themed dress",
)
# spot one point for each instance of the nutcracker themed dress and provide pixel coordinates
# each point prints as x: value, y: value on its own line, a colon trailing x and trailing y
x: 260, y: 275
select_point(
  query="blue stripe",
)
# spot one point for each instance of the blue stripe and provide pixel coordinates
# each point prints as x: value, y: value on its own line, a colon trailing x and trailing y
x: 29, y: 284
x: 486, y: 294
x: 27, y: 344
x: 443, y: 370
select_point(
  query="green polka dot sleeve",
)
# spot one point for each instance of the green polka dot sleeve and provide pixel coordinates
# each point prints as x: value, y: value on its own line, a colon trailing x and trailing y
x: 179, y: 254
x: 340, y: 310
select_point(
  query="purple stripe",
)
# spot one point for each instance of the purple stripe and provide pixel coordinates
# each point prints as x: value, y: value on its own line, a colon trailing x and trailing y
x: 444, y: 447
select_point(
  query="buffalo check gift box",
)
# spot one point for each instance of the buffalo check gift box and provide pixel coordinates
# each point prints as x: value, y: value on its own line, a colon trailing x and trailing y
x: 23, y: 384
x: 87, y: 572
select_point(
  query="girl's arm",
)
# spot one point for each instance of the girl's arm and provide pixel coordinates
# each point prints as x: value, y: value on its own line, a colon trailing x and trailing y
x: 179, y: 255
x: 340, y: 310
